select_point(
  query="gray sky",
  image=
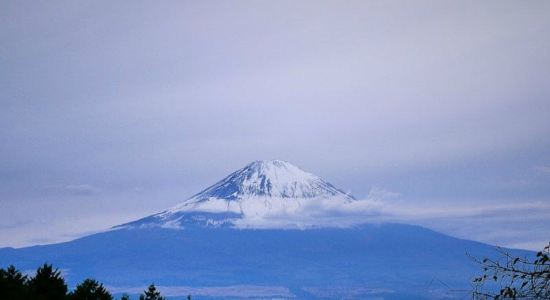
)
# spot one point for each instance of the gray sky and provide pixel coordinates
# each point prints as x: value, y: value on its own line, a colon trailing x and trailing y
x: 110, y: 111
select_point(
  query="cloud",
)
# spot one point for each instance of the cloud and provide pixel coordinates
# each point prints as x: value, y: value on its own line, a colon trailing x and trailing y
x: 327, y: 212
x: 378, y: 193
x: 61, y: 229
x: 511, y: 223
x: 506, y: 210
x: 352, y: 92
x: 74, y: 189
x: 309, y: 213
x: 542, y: 168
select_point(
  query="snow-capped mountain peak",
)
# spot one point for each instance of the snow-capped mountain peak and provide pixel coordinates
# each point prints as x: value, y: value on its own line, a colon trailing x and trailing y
x: 260, y: 189
x: 269, y: 178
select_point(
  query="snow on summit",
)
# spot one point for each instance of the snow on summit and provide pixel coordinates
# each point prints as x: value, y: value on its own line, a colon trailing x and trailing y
x: 261, y: 189
x: 272, y: 178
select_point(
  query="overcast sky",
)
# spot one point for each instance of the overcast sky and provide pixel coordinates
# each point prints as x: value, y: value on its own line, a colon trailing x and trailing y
x: 112, y: 110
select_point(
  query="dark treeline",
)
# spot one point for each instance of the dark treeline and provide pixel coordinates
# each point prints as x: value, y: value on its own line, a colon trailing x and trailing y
x: 49, y: 284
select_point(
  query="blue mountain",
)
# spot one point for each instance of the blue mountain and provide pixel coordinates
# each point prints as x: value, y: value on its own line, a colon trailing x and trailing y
x: 213, y: 247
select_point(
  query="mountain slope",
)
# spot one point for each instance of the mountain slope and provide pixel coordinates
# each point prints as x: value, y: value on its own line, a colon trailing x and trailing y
x: 390, y: 260
x: 207, y: 246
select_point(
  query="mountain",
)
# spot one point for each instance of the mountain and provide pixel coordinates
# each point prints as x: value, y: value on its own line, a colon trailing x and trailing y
x: 209, y: 247
x: 271, y: 179
x: 259, y: 190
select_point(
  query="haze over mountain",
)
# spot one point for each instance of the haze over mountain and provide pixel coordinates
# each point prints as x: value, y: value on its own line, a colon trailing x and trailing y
x: 111, y: 114
x: 261, y: 232
x: 426, y: 125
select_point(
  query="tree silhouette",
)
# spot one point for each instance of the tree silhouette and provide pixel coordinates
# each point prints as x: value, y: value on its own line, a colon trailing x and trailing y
x: 514, y: 277
x: 125, y: 297
x: 48, y: 284
x: 90, y: 289
x: 151, y: 294
x: 13, y: 284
